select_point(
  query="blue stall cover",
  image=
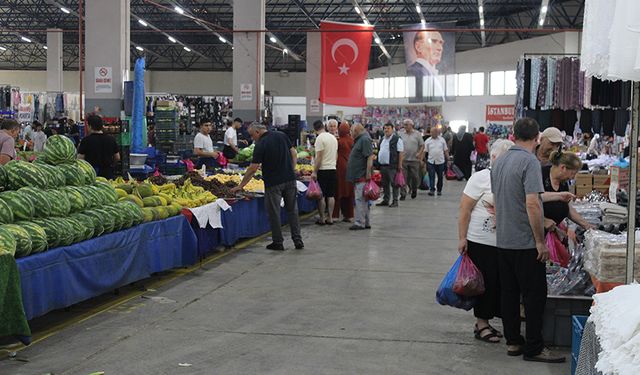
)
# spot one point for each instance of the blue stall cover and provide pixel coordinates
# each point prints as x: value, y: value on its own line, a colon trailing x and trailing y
x: 64, y: 276
x: 138, y: 115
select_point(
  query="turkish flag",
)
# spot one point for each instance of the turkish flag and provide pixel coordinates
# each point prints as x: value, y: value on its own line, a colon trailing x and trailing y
x: 345, y: 63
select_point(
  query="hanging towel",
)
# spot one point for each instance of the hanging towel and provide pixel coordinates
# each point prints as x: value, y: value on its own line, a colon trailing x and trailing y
x: 14, y: 321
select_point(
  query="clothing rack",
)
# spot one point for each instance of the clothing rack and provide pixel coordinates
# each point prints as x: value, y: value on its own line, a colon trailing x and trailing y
x: 529, y: 54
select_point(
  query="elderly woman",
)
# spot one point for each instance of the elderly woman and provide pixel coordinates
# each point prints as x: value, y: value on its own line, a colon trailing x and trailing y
x: 344, y: 194
x: 332, y: 127
x: 477, y: 234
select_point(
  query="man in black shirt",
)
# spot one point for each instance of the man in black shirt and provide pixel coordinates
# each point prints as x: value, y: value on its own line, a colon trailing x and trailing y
x: 277, y: 156
x: 99, y: 149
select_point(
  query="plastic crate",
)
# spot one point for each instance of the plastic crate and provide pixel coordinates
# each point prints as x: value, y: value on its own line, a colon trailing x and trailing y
x: 558, y: 315
x: 579, y: 321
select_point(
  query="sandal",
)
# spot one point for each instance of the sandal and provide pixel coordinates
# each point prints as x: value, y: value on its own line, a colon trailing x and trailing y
x: 495, y: 331
x: 319, y: 222
x: 328, y: 222
x: 487, y: 338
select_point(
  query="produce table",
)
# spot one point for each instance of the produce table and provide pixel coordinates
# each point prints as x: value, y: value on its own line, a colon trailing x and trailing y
x: 67, y: 275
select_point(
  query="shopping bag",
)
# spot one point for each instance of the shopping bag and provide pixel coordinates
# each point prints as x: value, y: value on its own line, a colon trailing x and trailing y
x: 558, y: 253
x: 474, y: 156
x: 371, y: 191
x: 377, y: 177
x: 458, y: 172
x: 451, y: 175
x: 222, y: 160
x: 425, y: 183
x: 482, y: 162
x: 314, y: 192
x: 398, y: 180
x: 445, y: 294
x: 469, y: 281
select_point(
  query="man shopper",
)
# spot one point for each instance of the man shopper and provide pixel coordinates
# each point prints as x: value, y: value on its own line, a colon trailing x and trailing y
x: 359, y: 172
x: 516, y: 183
x: 99, y: 149
x: 324, y: 171
x: 413, y: 154
x: 277, y: 157
x: 9, y: 131
x: 390, y: 155
x: 436, y: 148
x: 481, y: 142
x: 550, y: 140
x: 231, y: 139
x: 38, y: 136
x: 203, y: 146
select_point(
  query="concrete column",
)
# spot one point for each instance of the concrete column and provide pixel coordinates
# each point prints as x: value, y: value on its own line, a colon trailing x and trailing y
x: 315, y: 109
x: 106, y: 54
x: 248, y: 59
x: 54, y: 60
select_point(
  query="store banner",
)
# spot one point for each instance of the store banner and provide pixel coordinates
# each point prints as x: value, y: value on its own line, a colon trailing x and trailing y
x: 500, y: 113
x: 430, y: 56
x: 345, y: 63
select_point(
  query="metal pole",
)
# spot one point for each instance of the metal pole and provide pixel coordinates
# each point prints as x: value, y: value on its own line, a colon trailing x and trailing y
x: 81, y: 56
x: 633, y: 181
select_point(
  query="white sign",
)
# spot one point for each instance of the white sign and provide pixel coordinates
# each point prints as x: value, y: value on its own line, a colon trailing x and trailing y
x: 24, y: 113
x: 314, y: 105
x: 246, y: 92
x: 103, y: 80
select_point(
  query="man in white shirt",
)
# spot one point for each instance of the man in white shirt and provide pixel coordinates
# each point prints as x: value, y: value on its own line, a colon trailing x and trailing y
x: 27, y: 133
x: 203, y: 147
x: 38, y: 136
x: 324, y: 171
x: 436, y: 148
x: 231, y: 139
x: 390, y: 157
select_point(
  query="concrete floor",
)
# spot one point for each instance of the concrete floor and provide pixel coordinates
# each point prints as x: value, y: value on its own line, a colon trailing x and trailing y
x: 350, y: 303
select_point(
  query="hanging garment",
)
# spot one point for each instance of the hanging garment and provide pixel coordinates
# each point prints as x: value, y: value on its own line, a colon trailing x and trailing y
x: 527, y: 83
x: 608, y: 120
x: 551, y: 80
x: 598, y: 16
x: 520, y: 89
x: 586, y: 120
x: 535, y: 82
x: 621, y: 122
x: 542, y: 86
x: 587, y: 92
x: 596, y: 121
x: 625, y: 95
x: 557, y: 119
x: 544, y: 119
x: 59, y: 104
x: 622, y: 58
x: 570, y: 120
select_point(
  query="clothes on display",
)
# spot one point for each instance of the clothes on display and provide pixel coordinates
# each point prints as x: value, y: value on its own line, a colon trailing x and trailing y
x: 193, y: 109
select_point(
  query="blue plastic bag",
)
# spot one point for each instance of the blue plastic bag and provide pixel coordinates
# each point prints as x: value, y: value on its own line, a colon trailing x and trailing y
x: 445, y: 294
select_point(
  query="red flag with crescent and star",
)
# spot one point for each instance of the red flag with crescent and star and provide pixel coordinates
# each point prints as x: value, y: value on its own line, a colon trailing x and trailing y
x: 345, y: 63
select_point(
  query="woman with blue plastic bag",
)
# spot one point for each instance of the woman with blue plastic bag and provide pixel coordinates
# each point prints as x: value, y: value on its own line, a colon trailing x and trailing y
x: 476, y: 230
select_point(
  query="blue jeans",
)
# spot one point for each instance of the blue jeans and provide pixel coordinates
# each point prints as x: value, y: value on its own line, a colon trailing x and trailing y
x: 433, y: 170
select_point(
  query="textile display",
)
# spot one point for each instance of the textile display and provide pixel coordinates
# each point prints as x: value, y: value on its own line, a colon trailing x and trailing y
x: 13, y: 322
x: 138, y: 128
x: 377, y: 116
x: 67, y: 275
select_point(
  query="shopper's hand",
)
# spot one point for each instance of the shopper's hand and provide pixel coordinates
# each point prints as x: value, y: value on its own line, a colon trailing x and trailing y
x: 565, y: 196
x: 235, y: 189
x: 462, y: 246
x: 543, y: 252
x: 548, y: 223
x: 314, y: 176
x: 572, y: 236
x: 244, y: 141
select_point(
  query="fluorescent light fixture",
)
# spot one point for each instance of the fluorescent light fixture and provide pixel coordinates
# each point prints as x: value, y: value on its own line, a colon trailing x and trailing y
x: 418, y: 8
x: 2, y: 48
x: 544, y: 9
x: 541, y: 22
x: 187, y: 49
x: 24, y: 38
x: 378, y: 40
x: 178, y: 10
x: 273, y: 39
x: 480, y: 9
x: 285, y: 51
x: 45, y: 47
x: 423, y: 22
x: 65, y: 10
x: 222, y: 39
x: 366, y: 21
x: 141, y: 21
x: 358, y: 10
x: 481, y: 21
x: 172, y: 39
x: 139, y: 48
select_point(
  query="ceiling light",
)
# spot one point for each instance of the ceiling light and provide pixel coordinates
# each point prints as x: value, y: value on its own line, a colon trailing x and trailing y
x: 544, y: 9
x: 178, y: 9
x: 481, y: 21
x: 2, y: 48
x: 222, y: 39
x: 139, y: 48
x: 65, y: 10
x: 423, y: 22
x: 172, y: 39
x: 45, y: 47
x: 285, y: 51
x: 378, y: 40
x: 366, y: 21
x: 24, y: 38
x: 480, y: 9
x: 187, y: 49
x: 357, y: 10
x: 141, y: 21
x: 541, y: 22
x: 273, y: 39
x: 418, y: 8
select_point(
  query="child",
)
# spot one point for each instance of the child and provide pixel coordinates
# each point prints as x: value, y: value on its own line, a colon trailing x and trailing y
x: 39, y: 138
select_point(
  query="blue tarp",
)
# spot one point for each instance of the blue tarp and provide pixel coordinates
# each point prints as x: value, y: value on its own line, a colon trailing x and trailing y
x: 67, y: 275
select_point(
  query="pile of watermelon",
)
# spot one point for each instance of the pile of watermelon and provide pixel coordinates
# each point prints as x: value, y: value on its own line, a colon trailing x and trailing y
x: 57, y: 201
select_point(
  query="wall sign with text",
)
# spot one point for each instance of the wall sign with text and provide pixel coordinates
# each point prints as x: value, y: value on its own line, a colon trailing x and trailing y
x: 500, y: 112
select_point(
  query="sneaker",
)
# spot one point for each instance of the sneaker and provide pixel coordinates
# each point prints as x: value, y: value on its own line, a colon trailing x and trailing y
x: 394, y: 204
x: 431, y: 193
x: 382, y: 204
x: 546, y: 356
x: 367, y: 227
x: 403, y: 198
x: 439, y: 193
x: 299, y: 245
x: 356, y: 227
x: 275, y: 246
x: 414, y: 195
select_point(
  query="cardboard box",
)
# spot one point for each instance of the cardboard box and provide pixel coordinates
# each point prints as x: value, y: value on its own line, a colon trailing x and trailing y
x: 619, y: 175
x: 581, y: 191
x: 601, y: 179
x: 584, y: 179
x: 604, y: 189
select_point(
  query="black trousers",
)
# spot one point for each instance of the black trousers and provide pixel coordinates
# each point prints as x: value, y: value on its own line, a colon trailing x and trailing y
x: 485, y: 257
x: 390, y: 190
x: 522, y: 274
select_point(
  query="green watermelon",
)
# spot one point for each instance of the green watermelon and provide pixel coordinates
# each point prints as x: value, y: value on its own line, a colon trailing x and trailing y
x: 97, y: 222
x: 59, y: 149
x: 6, y: 214
x: 55, y: 175
x: 73, y: 175
x: 23, y: 240
x: 118, y: 217
x: 77, y: 201
x: 4, y: 181
x: 98, y: 197
x: 75, y: 227
x: 108, y: 220
x: 7, y: 242
x: 134, y: 210
x: 108, y: 191
x: 60, y: 205
x: 39, y: 199
x: 87, y: 223
x: 88, y: 171
x: 66, y: 231
x: 52, y: 230
x: 21, y: 206
x: 38, y: 235
x: 21, y: 174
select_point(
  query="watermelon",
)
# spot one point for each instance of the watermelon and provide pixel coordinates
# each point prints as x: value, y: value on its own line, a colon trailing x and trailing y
x: 134, y: 210
x: 129, y: 216
x: 108, y: 191
x: 38, y: 235
x: 23, y: 240
x: 39, y: 199
x: 108, y: 221
x: 60, y: 205
x: 53, y: 231
x: 118, y: 217
x: 4, y: 181
x: 88, y: 171
x: 21, y: 174
x: 97, y: 222
x: 87, y: 223
x: 98, y: 196
x: 20, y: 205
x: 77, y: 201
x: 73, y: 175
x: 6, y: 215
x: 59, y: 149
x: 55, y: 175
x: 7, y: 242
x: 75, y: 227
x: 66, y: 231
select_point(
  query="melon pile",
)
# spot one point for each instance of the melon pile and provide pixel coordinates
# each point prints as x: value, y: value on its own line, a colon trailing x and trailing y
x: 57, y: 201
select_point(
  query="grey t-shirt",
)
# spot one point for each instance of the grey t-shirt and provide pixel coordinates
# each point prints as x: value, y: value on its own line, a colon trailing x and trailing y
x: 514, y: 175
x: 360, y: 153
x: 412, y: 143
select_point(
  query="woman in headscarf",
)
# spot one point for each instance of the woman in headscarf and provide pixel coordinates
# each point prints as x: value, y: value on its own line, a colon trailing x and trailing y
x: 344, y: 194
x: 462, y: 148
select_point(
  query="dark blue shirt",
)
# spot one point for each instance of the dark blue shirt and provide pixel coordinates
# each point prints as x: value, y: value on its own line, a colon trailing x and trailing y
x: 273, y: 151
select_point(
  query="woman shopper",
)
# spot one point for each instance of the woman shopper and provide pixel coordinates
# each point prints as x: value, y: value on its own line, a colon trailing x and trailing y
x: 344, y: 194
x: 461, y: 148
